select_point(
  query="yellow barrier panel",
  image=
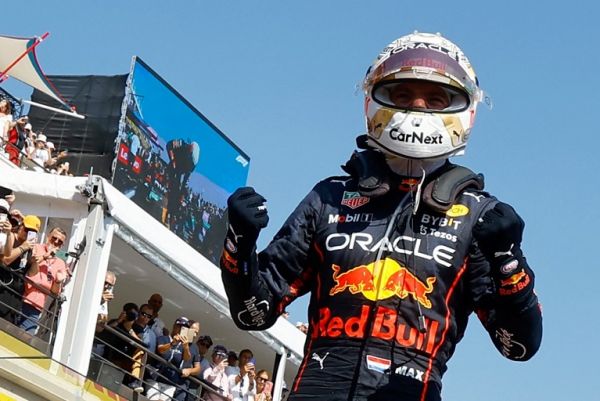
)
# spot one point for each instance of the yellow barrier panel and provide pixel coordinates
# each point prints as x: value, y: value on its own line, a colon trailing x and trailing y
x: 27, y: 367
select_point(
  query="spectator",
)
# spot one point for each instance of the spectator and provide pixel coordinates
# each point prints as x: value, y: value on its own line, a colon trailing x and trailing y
x: 29, y: 143
x: 12, y: 270
x: 27, y: 134
x: 120, y: 351
x: 40, y: 153
x: 193, y: 385
x: 107, y: 295
x: 7, y: 194
x: 243, y: 386
x: 53, y: 162
x: 188, y: 389
x: 204, y: 343
x: 141, y: 328
x: 6, y: 239
x: 16, y: 219
x: 175, y: 350
x: 263, y: 386
x: 45, y: 271
x: 232, y: 369
x: 16, y: 135
x: 110, y: 279
x: 156, y: 302
x: 63, y: 169
x: 128, y: 313
x: 148, y: 337
x: 303, y: 327
x: 215, y: 375
x: 6, y: 120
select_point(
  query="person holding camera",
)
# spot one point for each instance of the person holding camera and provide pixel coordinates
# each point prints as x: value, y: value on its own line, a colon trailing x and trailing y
x: 6, y: 240
x: 119, y: 351
x: 13, y: 266
x: 194, y: 367
x: 63, y: 169
x: 243, y: 386
x: 54, y: 159
x: 125, y: 354
x: 176, y: 350
x: 216, y: 375
x: 46, y: 274
x: 107, y: 295
x: 187, y: 389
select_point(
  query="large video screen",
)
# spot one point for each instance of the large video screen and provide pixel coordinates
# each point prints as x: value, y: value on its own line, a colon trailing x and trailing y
x: 174, y: 163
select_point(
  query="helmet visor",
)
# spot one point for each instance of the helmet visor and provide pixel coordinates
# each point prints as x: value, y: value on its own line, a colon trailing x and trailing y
x: 419, y: 95
x: 426, y: 64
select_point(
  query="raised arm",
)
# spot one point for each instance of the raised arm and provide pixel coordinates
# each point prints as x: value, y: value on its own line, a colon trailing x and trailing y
x: 513, y: 318
x: 260, y: 286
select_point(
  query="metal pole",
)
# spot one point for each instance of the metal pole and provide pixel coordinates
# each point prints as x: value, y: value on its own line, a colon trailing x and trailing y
x: 43, y: 106
x: 279, y: 374
x: 75, y: 347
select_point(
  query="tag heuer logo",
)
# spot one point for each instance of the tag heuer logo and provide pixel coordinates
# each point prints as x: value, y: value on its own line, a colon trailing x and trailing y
x: 354, y: 200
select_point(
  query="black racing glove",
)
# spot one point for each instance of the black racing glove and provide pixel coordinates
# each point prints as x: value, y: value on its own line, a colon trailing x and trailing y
x: 498, y: 234
x: 247, y: 216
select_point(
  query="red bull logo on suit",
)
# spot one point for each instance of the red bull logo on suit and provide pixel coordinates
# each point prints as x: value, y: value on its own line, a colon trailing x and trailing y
x: 381, y: 280
x: 387, y: 325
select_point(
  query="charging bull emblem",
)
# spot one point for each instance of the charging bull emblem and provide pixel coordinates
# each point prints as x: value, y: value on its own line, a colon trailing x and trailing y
x: 385, y: 280
x: 355, y: 280
x: 403, y: 283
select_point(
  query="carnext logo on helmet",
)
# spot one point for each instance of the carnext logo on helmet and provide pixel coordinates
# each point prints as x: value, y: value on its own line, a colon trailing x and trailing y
x: 350, y: 218
x: 396, y: 135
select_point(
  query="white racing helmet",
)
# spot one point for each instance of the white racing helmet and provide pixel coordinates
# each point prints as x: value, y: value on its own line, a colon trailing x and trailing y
x: 421, y: 133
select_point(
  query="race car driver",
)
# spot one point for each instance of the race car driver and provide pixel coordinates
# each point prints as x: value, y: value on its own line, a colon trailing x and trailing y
x: 398, y: 253
x: 183, y: 158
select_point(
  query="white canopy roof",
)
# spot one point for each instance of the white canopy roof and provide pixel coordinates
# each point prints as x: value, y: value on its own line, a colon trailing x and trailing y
x: 17, y: 55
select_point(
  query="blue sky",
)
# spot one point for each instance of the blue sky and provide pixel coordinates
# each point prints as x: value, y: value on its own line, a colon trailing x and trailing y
x: 279, y: 79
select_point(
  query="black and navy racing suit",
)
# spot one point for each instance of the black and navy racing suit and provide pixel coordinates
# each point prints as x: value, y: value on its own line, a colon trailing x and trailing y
x: 380, y: 330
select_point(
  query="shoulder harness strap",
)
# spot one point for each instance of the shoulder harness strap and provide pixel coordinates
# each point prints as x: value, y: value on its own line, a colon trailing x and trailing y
x: 441, y: 193
x: 369, y: 168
